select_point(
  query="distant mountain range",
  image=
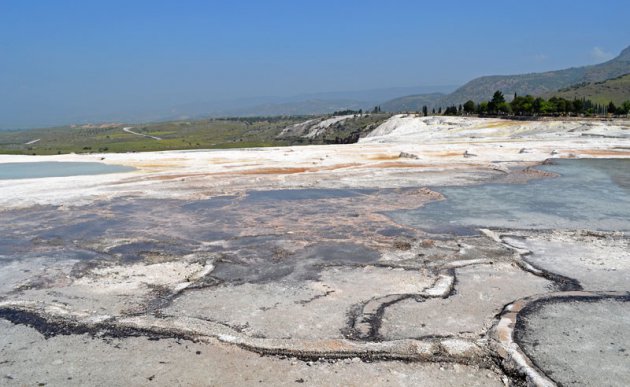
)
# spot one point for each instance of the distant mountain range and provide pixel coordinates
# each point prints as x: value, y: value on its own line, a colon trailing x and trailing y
x: 296, y: 108
x: 303, y: 104
x: 538, y: 84
x: 316, y: 103
x: 411, y: 102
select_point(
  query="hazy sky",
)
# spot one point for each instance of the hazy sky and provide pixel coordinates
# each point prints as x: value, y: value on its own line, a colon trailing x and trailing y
x: 80, y: 58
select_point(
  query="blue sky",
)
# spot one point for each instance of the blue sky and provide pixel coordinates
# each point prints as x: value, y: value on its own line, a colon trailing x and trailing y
x: 65, y: 59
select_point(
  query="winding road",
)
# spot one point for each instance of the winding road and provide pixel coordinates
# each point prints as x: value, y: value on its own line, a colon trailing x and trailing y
x: 128, y: 130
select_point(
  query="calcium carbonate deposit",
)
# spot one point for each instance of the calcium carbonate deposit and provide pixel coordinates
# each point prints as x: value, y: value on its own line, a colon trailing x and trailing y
x: 436, y: 251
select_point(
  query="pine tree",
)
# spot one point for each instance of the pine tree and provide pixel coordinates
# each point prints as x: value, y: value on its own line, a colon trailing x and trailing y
x: 612, y: 109
x: 469, y: 106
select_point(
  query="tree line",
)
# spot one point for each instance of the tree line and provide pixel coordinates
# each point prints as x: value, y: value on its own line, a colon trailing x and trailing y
x: 529, y: 105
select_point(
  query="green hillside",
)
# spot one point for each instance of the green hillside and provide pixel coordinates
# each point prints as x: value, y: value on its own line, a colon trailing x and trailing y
x: 616, y: 90
x: 481, y: 89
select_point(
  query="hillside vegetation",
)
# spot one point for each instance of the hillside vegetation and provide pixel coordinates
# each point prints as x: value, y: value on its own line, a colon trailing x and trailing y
x: 616, y: 90
x: 537, y: 106
x: 174, y: 135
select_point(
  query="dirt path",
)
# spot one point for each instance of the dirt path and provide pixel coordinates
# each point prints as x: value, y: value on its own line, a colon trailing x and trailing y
x: 128, y: 130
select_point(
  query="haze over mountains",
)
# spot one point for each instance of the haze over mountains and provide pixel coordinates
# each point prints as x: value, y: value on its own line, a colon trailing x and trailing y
x: 303, y: 104
x: 580, y: 81
x: 413, y: 98
x: 314, y: 103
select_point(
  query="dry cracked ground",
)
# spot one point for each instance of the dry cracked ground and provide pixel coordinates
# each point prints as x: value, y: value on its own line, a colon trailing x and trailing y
x: 454, y: 262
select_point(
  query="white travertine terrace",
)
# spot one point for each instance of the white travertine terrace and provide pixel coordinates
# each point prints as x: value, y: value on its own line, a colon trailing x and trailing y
x: 442, y: 144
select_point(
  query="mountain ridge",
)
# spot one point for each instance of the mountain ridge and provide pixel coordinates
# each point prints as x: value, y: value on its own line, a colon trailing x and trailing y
x: 413, y: 102
x: 482, y: 88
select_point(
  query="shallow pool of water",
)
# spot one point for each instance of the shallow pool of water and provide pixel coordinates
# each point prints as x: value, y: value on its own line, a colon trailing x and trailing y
x: 589, y: 194
x: 11, y: 171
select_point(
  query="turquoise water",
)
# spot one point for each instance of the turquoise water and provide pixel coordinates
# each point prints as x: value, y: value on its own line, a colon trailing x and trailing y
x: 11, y: 171
x: 589, y: 194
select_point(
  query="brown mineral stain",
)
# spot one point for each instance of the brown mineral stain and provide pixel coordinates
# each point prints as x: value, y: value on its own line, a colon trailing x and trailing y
x: 241, y: 165
x: 288, y: 171
x: 384, y: 157
x: 339, y: 166
x: 505, y: 335
x: 449, y: 154
x: 256, y: 171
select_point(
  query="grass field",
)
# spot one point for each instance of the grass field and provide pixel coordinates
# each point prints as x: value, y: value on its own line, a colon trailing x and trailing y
x: 175, y: 135
x: 225, y: 133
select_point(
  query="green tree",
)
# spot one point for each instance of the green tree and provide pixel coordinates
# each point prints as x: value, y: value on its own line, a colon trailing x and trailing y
x: 522, y: 105
x: 450, y: 111
x: 497, y: 99
x: 425, y: 110
x: 469, y: 106
x: 559, y: 104
x: 541, y: 106
x: 612, y: 109
x: 504, y: 107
